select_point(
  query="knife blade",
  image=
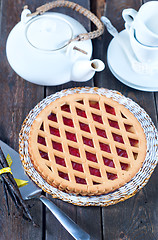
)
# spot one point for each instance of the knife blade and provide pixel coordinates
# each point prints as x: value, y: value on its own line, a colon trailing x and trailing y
x: 31, y: 190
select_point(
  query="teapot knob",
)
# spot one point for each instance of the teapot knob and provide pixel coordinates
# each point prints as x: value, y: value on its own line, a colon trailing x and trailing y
x: 24, y: 15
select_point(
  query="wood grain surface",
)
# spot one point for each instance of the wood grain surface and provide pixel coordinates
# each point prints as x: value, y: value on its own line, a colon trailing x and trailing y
x: 134, y: 219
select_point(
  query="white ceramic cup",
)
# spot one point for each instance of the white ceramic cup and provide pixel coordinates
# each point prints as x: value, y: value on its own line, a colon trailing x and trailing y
x: 145, y: 23
x: 144, y: 54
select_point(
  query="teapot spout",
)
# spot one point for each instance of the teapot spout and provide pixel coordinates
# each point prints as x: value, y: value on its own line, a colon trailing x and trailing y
x: 97, y: 65
x: 83, y: 70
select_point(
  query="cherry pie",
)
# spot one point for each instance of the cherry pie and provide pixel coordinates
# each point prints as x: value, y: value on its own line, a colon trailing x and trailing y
x: 86, y: 143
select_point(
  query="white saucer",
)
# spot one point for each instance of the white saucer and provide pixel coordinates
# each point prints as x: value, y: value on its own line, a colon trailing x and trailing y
x: 121, y: 68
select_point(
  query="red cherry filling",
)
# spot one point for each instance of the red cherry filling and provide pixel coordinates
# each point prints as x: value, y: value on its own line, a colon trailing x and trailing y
x: 97, y: 118
x: 117, y: 138
x: 80, y: 180
x: 91, y: 157
x: 129, y: 128
x: 71, y: 136
x: 110, y: 109
x: 105, y: 147
x: 81, y: 113
x: 44, y: 155
x: 88, y: 141
x: 41, y: 140
x: 68, y: 122
x: 121, y: 152
x: 101, y: 132
x: 95, y: 172
x: 80, y: 101
x: 111, y: 176
x: 124, y: 166
x: 60, y: 161
x: 52, y: 117
x: 84, y: 127
x: 57, y: 146
x: 108, y: 162
x: 63, y: 175
x: 42, y: 128
x: 65, y: 108
x: 135, y: 155
x: 77, y: 166
x: 95, y: 183
x: 94, y: 104
x: 113, y: 124
x: 74, y: 151
x: 133, y: 142
x: 54, y: 131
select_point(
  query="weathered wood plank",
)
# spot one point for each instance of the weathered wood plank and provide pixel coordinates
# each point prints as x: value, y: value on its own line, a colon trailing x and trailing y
x: 98, y: 7
x: 17, y: 98
x: 89, y: 218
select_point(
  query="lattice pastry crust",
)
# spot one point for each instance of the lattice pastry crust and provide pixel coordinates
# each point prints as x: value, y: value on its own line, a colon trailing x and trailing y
x: 86, y: 143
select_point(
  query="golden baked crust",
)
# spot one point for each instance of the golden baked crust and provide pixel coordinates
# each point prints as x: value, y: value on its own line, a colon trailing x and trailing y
x: 104, y: 163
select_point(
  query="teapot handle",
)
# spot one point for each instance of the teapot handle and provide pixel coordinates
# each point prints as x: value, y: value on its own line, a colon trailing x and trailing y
x: 78, y: 8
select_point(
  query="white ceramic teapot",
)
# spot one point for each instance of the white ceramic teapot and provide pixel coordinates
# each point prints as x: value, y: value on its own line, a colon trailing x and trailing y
x: 47, y: 48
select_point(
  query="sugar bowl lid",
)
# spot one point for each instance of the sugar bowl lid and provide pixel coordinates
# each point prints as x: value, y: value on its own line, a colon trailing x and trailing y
x: 49, y: 32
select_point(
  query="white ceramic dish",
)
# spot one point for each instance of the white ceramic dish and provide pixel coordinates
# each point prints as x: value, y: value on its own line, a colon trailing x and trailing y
x: 122, y: 70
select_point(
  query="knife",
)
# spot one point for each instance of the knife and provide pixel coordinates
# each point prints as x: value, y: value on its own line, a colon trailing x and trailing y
x: 31, y: 190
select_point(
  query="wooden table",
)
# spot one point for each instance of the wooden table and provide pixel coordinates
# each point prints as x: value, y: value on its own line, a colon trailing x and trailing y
x: 134, y: 219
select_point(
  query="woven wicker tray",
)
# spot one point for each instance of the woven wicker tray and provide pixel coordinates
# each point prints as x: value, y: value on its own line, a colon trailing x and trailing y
x: 123, y: 193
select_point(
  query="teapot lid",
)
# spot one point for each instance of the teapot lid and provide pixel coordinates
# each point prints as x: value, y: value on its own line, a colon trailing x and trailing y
x: 49, y: 33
